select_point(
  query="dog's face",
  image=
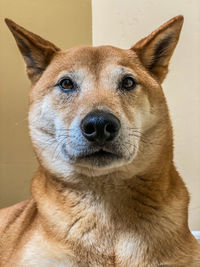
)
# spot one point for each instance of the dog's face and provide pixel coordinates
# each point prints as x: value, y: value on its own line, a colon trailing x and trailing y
x: 90, y: 107
x: 96, y: 107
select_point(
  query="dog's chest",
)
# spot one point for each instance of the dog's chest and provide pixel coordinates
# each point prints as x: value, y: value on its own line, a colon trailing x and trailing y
x: 105, y: 252
x: 97, y: 238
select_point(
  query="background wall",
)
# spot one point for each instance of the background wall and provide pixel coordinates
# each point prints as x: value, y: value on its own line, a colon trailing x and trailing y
x: 64, y: 22
x: 122, y: 23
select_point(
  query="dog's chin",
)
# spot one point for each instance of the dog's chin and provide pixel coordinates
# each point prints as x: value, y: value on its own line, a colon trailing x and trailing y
x: 98, y: 163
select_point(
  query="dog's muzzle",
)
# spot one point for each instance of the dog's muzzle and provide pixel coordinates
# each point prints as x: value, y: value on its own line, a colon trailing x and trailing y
x: 99, y: 144
x: 100, y: 127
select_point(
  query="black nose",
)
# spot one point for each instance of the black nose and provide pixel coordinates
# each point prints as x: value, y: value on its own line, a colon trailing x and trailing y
x: 100, y: 126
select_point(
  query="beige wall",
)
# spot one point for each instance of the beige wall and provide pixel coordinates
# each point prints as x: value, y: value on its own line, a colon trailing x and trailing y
x: 64, y: 22
x: 123, y: 22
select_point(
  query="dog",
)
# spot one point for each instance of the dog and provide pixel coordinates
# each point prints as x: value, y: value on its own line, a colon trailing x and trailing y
x: 106, y: 192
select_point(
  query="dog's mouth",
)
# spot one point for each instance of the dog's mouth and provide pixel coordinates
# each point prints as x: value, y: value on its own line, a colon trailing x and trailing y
x: 98, y: 154
x: 99, y: 158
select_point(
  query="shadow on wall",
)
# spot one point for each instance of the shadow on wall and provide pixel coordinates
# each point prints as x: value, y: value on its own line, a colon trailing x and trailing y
x: 66, y: 23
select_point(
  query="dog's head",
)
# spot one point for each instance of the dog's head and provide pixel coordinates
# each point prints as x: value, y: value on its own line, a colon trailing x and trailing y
x: 97, y: 108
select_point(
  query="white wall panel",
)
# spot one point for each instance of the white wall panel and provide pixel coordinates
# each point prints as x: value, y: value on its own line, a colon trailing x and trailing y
x: 122, y: 23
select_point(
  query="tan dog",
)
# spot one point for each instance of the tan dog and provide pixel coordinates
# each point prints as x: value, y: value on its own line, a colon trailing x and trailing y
x: 106, y: 192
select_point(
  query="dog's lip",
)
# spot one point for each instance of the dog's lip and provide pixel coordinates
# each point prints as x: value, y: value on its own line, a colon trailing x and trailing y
x: 95, y: 155
x: 101, y: 153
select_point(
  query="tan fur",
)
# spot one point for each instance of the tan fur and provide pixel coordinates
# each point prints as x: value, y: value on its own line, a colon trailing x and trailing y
x: 131, y: 212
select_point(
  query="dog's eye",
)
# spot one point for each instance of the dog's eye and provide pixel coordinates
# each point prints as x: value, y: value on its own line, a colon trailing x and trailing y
x: 128, y: 83
x: 66, y: 84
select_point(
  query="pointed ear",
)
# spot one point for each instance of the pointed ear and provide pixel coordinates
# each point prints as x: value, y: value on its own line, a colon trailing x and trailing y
x: 36, y: 51
x: 156, y: 49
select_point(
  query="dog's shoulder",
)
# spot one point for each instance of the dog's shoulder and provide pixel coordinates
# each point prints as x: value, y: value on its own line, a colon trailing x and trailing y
x: 10, y: 214
x: 15, y: 222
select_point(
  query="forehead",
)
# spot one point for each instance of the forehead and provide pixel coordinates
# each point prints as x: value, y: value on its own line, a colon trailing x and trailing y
x: 95, y: 59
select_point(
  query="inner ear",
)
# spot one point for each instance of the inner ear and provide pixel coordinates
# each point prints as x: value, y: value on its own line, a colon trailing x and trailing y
x: 161, y: 52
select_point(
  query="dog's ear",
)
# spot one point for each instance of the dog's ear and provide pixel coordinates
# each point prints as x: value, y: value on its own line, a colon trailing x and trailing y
x: 156, y: 49
x: 36, y: 51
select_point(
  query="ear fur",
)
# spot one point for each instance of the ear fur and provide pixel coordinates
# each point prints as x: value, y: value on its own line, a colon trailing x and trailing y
x: 156, y: 49
x: 36, y: 51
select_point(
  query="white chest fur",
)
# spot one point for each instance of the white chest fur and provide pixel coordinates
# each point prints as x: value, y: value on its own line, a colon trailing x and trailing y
x: 44, y: 253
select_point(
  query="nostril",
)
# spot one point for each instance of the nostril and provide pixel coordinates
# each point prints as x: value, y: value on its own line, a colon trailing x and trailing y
x: 89, y: 128
x: 111, y: 128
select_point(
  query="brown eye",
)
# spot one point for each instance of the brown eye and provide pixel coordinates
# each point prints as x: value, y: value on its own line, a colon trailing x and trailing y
x: 128, y: 83
x: 66, y: 84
